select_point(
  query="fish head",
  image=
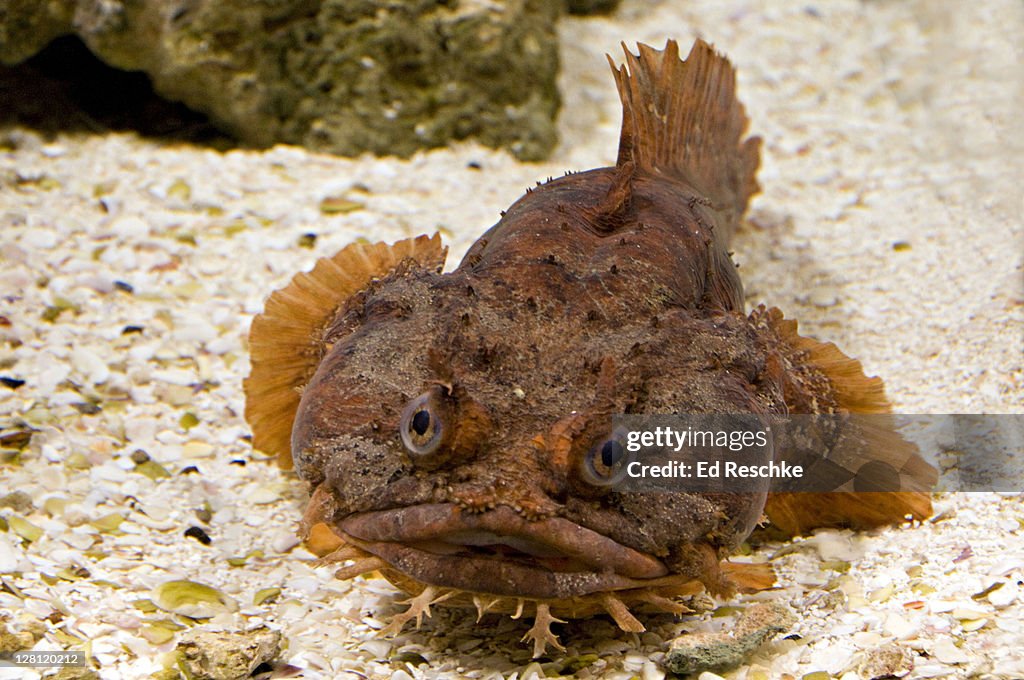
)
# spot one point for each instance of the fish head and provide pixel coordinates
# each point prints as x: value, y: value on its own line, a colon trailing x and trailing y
x: 463, y: 422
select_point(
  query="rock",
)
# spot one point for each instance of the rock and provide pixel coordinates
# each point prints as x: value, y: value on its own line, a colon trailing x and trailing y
x: 824, y: 297
x: 887, y: 661
x: 697, y: 652
x: 13, y: 642
x: 343, y: 76
x: 76, y: 673
x: 1004, y: 596
x: 900, y: 627
x: 19, y: 501
x: 215, y: 655
x: 948, y: 653
x: 28, y: 26
x: 195, y: 600
x: 283, y: 541
x: 591, y: 6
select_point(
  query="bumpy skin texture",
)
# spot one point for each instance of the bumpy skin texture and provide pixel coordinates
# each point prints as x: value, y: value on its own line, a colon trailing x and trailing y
x: 452, y: 426
x: 538, y: 306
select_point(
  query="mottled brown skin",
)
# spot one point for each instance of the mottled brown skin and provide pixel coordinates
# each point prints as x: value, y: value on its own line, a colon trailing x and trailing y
x: 603, y: 292
x: 539, y: 304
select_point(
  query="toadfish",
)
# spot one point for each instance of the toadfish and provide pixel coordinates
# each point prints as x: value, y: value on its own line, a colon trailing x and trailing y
x: 454, y: 428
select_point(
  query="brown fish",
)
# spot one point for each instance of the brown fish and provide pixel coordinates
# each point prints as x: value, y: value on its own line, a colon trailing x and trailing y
x: 453, y: 428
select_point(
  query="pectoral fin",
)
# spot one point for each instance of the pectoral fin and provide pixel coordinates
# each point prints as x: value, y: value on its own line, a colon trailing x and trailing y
x: 818, y: 378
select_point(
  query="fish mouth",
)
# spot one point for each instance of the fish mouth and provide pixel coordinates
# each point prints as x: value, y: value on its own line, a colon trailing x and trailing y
x: 499, y: 552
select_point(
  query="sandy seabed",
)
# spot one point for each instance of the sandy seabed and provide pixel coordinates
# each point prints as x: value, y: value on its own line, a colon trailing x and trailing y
x: 889, y: 222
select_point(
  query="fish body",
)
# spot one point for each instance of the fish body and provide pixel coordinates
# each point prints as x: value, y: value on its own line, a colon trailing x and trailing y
x: 454, y: 428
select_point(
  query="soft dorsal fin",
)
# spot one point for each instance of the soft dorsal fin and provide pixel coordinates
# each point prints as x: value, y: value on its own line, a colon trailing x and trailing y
x: 682, y: 119
x: 821, y: 369
x: 286, y: 340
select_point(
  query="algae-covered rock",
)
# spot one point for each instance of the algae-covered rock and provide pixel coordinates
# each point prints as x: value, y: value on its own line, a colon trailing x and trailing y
x: 14, y: 642
x: 26, y: 26
x: 222, y: 655
x: 696, y: 652
x: 344, y: 76
x: 215, y: 655
x: 888, y: 661
x: 76, y: 673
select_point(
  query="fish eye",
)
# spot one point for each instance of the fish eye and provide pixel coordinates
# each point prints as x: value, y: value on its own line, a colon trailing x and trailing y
x: 611, y: 453
x: 606, y: 462
x: 420, y: 422
x: 421, y: 425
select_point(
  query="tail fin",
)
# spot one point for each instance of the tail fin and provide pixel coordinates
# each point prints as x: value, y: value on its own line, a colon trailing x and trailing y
x: 682, y: 118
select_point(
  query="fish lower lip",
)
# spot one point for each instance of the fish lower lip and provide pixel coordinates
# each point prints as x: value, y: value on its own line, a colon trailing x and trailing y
x: 498, y: 550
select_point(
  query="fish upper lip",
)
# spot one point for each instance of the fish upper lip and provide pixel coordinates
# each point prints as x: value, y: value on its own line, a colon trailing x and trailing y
x: 451, y: 535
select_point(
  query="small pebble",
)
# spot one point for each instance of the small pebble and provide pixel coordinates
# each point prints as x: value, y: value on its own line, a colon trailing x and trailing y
x: 264, y: 495
x: 19, y: 501
x: 129, y: 226
x: 823, y: 297
x: 887, y: 661
x: 10, y: 557
x: 90, y: 365
x: 1005, y: 596
x: 198, y: 534
x: 284, y: 541
x: 651, y: 671
x: 900, y: 627
x: 947, y: 652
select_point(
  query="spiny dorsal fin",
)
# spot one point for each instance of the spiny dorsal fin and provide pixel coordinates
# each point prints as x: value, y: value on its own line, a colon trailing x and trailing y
x: 814, y: 367
x: 682, y: 119
x: 611, y: 212
x: 286, y: 340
